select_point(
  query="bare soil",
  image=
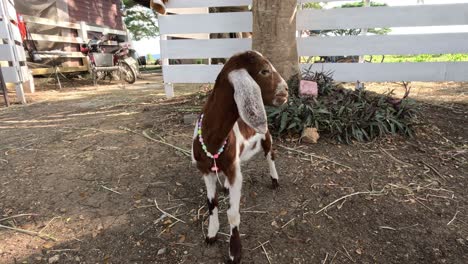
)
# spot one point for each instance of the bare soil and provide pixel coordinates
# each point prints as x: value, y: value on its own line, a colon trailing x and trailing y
x: 76, y: 163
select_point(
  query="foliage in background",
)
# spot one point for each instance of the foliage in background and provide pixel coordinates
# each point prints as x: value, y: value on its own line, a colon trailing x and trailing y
x: 420, y: 58
x: 342, y: 114
x: 140, y: 21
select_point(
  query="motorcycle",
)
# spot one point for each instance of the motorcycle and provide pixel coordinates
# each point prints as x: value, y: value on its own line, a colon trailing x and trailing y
x: 115, y: 65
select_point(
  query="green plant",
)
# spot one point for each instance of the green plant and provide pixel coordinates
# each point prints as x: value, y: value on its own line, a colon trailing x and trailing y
x: 343, y: 114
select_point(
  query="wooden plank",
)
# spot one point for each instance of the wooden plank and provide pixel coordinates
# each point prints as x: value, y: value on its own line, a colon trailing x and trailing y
x: 43, y: 71
x: 11, y: 11
x: 191, y: 73
x: 16, y: 33
x: 24, y: 73
x: 5, y: 52
x: 386, y: 16
x: 50, y: 22
x: 205, y: 48
x: 3, y: 30
x: 384, y: 45
x: 206, y: 23
x: 10, y: 74
x: 207, y: 3
x: 65, y: 55
x: 53, y: 38
x: 106, y: 30
x: 386, y: 72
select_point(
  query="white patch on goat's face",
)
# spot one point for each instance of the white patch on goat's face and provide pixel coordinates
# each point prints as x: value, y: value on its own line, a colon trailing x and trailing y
x: 272, y: 67
x: 248, y: 97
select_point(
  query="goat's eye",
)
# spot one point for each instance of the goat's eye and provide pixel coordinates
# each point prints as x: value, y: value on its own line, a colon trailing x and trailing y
x: 265, y: 72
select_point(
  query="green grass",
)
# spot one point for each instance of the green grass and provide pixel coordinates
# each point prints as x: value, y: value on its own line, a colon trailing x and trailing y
x: 409, y: 58
x: 419, y: 58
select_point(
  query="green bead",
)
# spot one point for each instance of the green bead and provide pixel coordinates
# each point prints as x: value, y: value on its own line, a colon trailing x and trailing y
x: 199, y: 131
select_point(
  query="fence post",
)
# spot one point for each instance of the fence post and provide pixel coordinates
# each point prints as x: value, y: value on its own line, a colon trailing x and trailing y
x: 364, y: 30
x: 168, y: 87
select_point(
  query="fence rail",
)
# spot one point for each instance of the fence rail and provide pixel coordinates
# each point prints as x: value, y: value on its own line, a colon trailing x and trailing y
x: 324, y: 19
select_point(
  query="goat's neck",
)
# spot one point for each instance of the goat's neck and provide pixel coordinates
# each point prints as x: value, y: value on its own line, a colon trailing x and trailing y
x: 220, y: 115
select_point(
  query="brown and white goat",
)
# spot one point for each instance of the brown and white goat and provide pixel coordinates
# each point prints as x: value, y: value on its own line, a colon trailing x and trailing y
x: 234, y: 114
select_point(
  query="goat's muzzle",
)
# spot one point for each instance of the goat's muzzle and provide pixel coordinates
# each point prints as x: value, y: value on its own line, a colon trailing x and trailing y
x: 281, y: 96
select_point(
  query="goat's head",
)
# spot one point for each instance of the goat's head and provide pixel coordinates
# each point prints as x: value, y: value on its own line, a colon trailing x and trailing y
x: 255, y: 82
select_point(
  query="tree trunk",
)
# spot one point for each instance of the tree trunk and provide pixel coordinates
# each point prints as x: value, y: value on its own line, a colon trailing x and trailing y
x: 274, y: 34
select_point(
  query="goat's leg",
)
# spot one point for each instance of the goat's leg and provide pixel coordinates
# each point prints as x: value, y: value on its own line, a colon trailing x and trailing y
x: 235, y: 186
x: 226, y: 186
x: 213, y: 225
x: 270, y: 156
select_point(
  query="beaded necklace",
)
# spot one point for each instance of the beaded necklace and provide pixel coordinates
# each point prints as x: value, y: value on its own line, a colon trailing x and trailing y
x: 212, y: 156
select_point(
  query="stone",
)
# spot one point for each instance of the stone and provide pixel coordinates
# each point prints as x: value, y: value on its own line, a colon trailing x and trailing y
x: 54, y: 259
x: 310, y: 135
x: 161, y: 251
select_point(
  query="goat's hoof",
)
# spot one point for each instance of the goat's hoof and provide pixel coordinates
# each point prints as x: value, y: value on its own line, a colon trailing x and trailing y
x: 234, y: 260
x: 274, y: 183
x: 211, y: 240
x: 226, y: 191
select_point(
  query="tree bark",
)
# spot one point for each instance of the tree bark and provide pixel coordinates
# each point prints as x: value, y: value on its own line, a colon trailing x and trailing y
x: 274, y: 34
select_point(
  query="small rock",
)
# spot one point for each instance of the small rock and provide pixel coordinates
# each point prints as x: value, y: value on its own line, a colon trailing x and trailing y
x: 54, y: 259
x: 63, y: 210
x: 185, y: 252
x: 310, y: 135
x: 161, y: 251
x: 77, y: 259
x: 275, y: 224
x: 461, y: 241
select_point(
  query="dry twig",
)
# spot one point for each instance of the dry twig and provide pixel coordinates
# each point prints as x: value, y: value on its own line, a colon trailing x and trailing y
x: 110, y: 190
x: 16, y: 216
x: 32, y: 233
x: 325, y: 260
x: 266, y: 254
x: 288, y: 223
x: 395, y: 159
x: 144, y: 134
x: 454, y: 217
x: 348, y: 255
x: 166, y: 213
x: 315, y: 156
x: 341, y: 198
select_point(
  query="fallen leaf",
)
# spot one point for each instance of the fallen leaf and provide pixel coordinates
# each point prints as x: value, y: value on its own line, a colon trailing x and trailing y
x: 181, y: 238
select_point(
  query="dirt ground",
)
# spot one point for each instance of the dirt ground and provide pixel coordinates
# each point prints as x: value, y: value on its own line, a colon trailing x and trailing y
x: 77, y: 173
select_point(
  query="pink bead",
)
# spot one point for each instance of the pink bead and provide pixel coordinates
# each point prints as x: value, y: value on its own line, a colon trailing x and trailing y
x: 214, y: 168
x: 215, y: 156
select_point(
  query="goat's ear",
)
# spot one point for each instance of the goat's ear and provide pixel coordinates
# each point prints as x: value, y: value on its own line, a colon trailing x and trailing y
x: 248, y: 97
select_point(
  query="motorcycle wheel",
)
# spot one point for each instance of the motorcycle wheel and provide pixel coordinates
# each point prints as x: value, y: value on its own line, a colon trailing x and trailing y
x: 127, y: 73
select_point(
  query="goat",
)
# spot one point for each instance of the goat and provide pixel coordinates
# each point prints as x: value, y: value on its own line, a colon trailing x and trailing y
x: 232, y: 128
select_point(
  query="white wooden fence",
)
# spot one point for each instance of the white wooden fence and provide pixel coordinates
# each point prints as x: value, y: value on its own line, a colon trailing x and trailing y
x: 12, y: 56
x: 386, y: 16
x: 311, y: 19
